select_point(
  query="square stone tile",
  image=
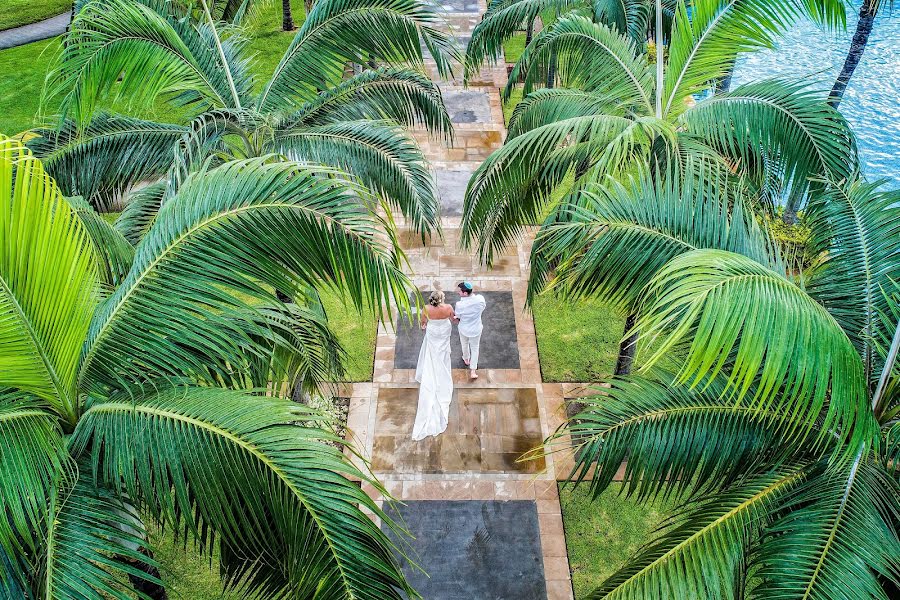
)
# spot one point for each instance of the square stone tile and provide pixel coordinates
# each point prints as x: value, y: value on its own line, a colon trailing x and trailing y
x: 473, y: 550
x: 488, y: 431
x: 467, y: 106
x: 451, y: 185
x: 457, y: 6
x: 499, y: 348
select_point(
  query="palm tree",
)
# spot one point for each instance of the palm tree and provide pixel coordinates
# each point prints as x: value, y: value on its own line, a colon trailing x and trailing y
x: 868, y: 10
x: 149, y: 51
x: 144, y: 402
x: 776, y: 427
x: 617, y: 112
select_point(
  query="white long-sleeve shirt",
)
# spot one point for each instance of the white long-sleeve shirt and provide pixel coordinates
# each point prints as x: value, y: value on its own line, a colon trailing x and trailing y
x: 468, y: 310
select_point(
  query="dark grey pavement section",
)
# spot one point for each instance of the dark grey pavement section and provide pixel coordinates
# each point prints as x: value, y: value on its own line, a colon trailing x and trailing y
x: 467, y: 106
x: 451, y: 185
x: 473, y: 550
x: 48, y: 28
x: 499, y: 348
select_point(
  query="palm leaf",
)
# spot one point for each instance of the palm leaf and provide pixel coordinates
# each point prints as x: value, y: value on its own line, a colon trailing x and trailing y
x: 835, y: 539
x: 340, y: 31
x: 383, y: 156
x: 105, y: 158
x: 113, y: 251
x: 246, y: 228
x: 673, y: 439
x: 133, y: 52
x: 141, y: 208
x: 239, y: 465
x: 93, y: 539
x: 48, y: 280
x: 853, y: 229
x: 389, y: 93
x: 590, y: 56
x: 780, y: 122
x: 549, y: 105
x: 735, y: 312
x: 608, y: 241
x: 32, y: 457
x: 701, y: 553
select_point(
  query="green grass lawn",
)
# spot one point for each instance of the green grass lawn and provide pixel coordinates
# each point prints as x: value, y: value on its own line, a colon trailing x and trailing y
x: 601, y: 535
x: 577, y: 342
x: 356, y: 333
x: 513, y: 47
x: 23, y: 12
x: 21, y: 88
x: 187, y: 574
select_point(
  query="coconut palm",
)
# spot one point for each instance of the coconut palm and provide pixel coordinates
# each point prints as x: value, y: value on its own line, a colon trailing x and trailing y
x: 616, y: 112
x: 868, y: 10
x: 775, y: 425
x: 150, y: 51
x: 146, y: 402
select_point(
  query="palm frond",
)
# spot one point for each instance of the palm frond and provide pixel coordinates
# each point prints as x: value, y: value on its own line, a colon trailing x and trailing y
x: 93, y: 539
x: 674, y: 439
x: 589, y: 56
x: 503, y: 20
x: 240, y: 466
x: 834, y: 540
x: 102, y: 160
x: 114, y: 253
x: 48, y: 281
x: 777, y: 122
x: 700, y: 553
x: 340, y: 31
x: 141, y: 208
x: 32, y: 457
x: 854, y: 229
x: 383, y: 156
x: 608, y: 241
x: 246, y: 228
x: 396, y: 94
x: 760, y: 330
x: 549, y: 105
x: 128, y: 51
x: 512, y: 187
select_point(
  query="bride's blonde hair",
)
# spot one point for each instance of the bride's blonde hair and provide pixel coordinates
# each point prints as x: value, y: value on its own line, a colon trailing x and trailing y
x: 437, y: 296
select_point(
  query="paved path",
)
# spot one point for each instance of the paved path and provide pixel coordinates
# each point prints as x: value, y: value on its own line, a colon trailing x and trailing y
x: 48, y: 28
x: 487, y: 526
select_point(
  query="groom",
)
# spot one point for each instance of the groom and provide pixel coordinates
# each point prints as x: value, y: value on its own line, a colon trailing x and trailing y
x: 468, y: 316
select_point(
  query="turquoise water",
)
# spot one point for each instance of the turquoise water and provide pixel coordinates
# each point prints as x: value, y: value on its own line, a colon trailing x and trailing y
x: 872, y: 101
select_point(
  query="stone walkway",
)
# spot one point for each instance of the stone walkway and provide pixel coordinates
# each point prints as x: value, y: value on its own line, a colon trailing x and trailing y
x: 33, y: 32
x: 486, y: 524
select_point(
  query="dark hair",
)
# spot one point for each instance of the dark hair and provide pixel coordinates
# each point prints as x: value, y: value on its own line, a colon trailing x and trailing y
x: 465, y: 286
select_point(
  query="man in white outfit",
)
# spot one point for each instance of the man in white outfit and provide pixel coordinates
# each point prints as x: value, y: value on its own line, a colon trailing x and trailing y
x: 468, y: 316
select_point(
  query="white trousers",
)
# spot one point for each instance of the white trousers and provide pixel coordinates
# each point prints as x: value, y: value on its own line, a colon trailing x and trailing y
x: 470, y: 349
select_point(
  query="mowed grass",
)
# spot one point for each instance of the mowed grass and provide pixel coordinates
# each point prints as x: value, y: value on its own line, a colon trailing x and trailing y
x: 24, y: 69
x: 577, y: 341
x: 187, y: 574
x: 22, y: 12
x: 601, y: 535
x: 356, y: 332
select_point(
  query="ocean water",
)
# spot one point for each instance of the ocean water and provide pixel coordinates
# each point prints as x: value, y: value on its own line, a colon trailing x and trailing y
x: 872, y: 101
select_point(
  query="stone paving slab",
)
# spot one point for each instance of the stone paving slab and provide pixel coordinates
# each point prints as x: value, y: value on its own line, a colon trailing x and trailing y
x: 474, y: 550
x: 499, y: 346
x: 488, y: 431
x: 451, y: 185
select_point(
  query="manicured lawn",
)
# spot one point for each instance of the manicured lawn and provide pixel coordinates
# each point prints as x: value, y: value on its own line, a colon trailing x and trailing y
x: 577, y: 342
x: 356, y: 333
x: 601, y: 535
x: 23, y: 12
x: 513, y: 47
x: 21, y: 87
x: 186, y: 573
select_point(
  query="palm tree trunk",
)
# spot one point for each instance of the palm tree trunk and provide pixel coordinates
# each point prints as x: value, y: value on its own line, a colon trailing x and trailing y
x: 551, y: 71
x: 529, y: 32
x: 659, y: 59
x: 308, y: 5
x: 724, y: 84
x: 867, y: 13
x: 287, y: 17
x: 627, y: 347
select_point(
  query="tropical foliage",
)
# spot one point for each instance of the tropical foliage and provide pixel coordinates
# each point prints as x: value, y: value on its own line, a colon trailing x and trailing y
x: 617, y: 110
x: 311, y: 109
x: 765, y: 404
x: 155, y: 395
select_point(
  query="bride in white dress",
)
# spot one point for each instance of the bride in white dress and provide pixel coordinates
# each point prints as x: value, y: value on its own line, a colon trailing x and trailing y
x: 433, y: 369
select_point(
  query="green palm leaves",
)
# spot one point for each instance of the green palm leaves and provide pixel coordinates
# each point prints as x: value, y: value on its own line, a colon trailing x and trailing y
x: 147, y: 51
x: 147, y: 406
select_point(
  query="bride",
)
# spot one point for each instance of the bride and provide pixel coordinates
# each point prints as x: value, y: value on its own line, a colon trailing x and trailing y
x: 433, y: 368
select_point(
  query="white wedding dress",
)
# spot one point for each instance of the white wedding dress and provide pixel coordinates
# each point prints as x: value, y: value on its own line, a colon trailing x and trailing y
x: 435, y: 380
